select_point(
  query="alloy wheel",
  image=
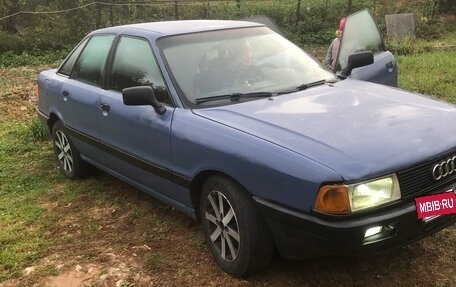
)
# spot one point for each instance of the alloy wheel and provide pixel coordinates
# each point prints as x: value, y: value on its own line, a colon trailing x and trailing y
x: 64, y: 153
x: 223, y: 226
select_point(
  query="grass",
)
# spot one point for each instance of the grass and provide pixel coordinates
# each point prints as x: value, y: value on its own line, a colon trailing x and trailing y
x: 34, y: 58
x: 23, y: 220
x: 429, y: 67
x: 102, y: 224
x: 154, y: 262
x: 433, y: 73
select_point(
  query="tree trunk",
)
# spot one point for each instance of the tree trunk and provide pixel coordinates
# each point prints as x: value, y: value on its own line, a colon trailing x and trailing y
x: 176, y: 10
x: 298, y: 12
x: 111, y: 16
x: 98, y: 7
x: 9, y: 23
x: 349, y: 7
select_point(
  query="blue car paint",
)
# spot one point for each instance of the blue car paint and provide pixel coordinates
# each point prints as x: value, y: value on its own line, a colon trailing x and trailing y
x: 141, y: 132
x: 359, y: 129
x: 167, y: 186
x: 262, y: 167
x: 383, y: 71
x: 80, y: 108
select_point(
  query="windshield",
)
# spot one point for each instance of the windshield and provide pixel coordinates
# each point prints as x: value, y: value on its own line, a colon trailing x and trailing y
x: 237, y: 61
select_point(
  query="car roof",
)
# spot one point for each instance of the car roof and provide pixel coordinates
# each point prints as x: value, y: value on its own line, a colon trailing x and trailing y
x: 182, y: 26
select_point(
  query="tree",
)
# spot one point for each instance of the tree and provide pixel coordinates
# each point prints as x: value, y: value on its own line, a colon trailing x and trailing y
x: 349, y: 7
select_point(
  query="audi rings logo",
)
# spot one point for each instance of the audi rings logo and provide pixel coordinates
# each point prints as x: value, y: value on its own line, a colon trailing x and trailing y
x: 444, y: 168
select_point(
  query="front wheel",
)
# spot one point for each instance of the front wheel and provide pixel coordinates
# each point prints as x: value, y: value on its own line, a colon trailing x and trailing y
x: 70, y: 162
x: 236, y: 234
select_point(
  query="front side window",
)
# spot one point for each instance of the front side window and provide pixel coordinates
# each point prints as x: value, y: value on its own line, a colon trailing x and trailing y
x: 237, y: 62
x: 91, y: 64
x: 135, y: 65
x: 67, y: 67
x: 360, y: 34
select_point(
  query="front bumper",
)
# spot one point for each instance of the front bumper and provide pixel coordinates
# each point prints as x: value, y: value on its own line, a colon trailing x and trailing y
x: 301, y: 236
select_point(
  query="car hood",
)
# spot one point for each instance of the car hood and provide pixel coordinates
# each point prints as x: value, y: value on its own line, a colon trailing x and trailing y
x: 358, y: 129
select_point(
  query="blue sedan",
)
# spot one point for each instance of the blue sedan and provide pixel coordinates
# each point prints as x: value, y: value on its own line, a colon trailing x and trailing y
x: 232, y: 124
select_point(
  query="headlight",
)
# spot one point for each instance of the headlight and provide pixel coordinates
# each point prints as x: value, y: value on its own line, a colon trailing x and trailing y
x: 373, y: 193
x: 343, y: 199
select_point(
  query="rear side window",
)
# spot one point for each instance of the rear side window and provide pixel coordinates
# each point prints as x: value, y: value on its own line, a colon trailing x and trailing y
x: 135, y: 65
x: 90, y: 66
x: 66, y: 68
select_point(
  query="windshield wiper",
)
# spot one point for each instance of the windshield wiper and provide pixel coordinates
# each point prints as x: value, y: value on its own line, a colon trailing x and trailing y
x: 234, y: 97
x: 307, y: 85
x: 311, y: 84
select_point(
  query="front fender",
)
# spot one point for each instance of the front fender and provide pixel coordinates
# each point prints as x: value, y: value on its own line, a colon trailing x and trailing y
x: 265, y: 169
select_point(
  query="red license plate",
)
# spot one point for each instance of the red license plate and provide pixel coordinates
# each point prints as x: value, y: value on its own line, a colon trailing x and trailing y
x: 433, y: 206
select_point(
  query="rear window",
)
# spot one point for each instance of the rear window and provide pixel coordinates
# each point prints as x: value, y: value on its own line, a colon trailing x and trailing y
x: 67, y: 66
x: 90, y: 66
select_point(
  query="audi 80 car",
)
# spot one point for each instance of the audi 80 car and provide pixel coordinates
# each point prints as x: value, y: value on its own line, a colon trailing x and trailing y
x: 232, y: 124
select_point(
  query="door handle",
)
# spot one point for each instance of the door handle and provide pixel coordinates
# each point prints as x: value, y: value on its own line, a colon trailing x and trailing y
x: 390, y: 66
x: 65, y: 95
x: 104, y: 109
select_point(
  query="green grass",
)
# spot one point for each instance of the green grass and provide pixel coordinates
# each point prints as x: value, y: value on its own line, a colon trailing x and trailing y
x: 30, y: 189
x: 154, y: 262
x: 428, y: 67
x: 431, y: 73
x: 35, y: 58
x: 25, y: 177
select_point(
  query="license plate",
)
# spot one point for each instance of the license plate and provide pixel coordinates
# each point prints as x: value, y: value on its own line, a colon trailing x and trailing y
x: 433, y: 206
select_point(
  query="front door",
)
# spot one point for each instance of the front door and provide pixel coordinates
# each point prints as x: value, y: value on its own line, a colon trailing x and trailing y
x: 136, y: 138
x: 361, y: 34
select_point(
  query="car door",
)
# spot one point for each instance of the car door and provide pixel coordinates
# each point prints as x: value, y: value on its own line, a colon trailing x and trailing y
x: 80, y: 93
x: 361, y: 34
x: 137, y: 138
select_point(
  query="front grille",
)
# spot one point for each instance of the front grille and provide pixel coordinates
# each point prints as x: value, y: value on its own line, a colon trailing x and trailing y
x: 418, y: 180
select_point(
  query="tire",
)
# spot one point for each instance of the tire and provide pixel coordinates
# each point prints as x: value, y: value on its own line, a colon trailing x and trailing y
x: 237, y: 236
x: 68, y: 157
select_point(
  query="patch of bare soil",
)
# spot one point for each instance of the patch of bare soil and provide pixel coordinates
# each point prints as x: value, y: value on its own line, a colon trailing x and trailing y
x: 18, y: 94
x: 69, y: 279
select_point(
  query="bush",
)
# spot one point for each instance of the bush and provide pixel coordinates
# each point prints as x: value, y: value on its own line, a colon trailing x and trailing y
x: 12, y: 42
x: 407, y: 46
x: 37, y: 131
x: 320, y: 38
x: 33, y: 58
x: 426, y: 15
x: 314, y: 23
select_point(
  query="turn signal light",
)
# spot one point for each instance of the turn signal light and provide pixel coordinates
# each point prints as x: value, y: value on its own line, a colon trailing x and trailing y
x: 333, y: 199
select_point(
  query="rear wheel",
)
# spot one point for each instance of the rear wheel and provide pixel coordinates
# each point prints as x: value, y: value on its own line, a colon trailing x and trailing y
x: 70, y: 162
x: 236, y: 234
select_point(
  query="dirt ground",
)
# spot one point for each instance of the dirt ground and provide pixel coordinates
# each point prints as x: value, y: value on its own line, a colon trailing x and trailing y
x: 110, y: 234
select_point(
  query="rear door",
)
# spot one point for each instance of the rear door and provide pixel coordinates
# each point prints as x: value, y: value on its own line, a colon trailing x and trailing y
x: 361, y: 34
x: 81, y: 92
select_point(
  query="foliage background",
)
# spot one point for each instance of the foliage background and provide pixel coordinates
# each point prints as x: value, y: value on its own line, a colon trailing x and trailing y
x: 305, y: 22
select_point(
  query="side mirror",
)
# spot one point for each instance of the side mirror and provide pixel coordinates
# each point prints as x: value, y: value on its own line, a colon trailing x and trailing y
x: 142, y: 96
x: 357, y: 60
